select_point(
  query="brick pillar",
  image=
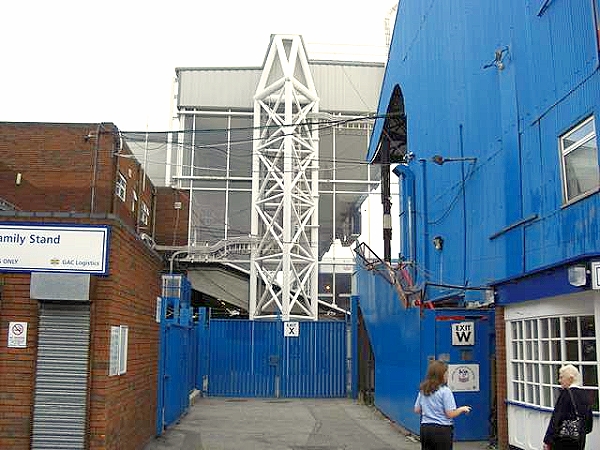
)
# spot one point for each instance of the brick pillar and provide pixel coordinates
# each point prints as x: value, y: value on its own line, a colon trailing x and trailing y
x: 501, y: 389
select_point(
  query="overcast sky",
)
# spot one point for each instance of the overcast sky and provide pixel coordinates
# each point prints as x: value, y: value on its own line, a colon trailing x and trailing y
x: 114, y: 61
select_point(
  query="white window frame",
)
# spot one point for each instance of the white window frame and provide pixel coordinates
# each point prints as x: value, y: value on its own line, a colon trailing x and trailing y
x: 538, y: 347
x: 144, y: 214
x: 119, y: 340
x: 569, y: 149
x: 121, y: 187
x: 134, y: 199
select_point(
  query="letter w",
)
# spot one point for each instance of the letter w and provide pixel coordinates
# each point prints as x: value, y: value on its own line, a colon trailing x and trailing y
x: 463, y: 336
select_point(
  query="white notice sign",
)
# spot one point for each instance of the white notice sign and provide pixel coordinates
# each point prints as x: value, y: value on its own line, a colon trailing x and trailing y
x: 463, y: 333
x: 463, y: 377
x: 291, y: 329
x: 54, y: 248
x: 17, y: 334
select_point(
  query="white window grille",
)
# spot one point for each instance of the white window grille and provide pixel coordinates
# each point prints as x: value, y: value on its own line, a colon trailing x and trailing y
x: 145, y: 214
x: 579, y: 157
x: 121, y: 188
x: 119, y: 338
x: 540, y: 346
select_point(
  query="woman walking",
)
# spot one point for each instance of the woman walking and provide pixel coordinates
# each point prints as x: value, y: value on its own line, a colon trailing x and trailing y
x: 437, y: 407
x: 572, y: 403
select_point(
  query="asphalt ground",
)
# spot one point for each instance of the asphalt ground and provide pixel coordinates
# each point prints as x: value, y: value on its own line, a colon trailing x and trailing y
x: 287, y: 424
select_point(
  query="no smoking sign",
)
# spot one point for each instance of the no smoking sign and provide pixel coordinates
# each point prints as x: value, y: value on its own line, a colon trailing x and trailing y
x: 17, y: 334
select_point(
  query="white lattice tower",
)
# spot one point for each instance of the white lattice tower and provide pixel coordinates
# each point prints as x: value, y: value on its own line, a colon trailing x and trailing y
x: 284, y: 263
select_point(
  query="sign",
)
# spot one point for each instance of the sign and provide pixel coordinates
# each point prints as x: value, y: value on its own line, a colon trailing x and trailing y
x: 17, y: 334
x: 463, y: 333
x: 463, y: 377
x: 291, y: 329
x: 158, y: 309
x: 595, y: 269
x: 54, y: 248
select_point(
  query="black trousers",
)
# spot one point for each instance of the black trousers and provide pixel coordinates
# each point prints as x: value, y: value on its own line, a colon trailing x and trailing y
x: 436, y: 437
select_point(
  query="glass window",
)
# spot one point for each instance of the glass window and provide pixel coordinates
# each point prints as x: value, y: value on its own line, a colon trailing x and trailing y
x: 145, y: 214
x: 579, y: 156
x: 536, y: 357
x: 121, y: 187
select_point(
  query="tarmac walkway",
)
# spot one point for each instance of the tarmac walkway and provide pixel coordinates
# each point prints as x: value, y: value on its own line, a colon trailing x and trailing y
x: 287, y: 424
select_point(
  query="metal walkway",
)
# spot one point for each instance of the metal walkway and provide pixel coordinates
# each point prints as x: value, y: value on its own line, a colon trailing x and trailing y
x: 297, y: 424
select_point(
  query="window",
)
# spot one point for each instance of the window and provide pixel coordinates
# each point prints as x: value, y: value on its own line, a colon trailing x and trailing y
x: 539, y: 347
x: 134, y: 199
x: 121, y: 187
x: 579, y: 155
x: 145, y: 214
x: 119, y: 337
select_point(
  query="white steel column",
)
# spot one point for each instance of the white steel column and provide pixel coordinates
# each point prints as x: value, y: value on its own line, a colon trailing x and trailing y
x: 284, y: 263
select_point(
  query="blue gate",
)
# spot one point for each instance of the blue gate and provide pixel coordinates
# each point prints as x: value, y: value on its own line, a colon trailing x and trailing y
x: 255, y: 359
x: 178, y: 357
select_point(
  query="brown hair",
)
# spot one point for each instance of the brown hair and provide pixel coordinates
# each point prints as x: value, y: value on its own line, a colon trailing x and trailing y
x: 434, y: 378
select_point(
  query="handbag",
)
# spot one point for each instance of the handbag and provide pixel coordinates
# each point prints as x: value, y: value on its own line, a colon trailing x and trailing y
x: 571, y: 429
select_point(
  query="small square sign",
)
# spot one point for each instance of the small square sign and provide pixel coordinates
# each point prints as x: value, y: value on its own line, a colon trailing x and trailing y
x: 291, y: 329
x: 595, y: 269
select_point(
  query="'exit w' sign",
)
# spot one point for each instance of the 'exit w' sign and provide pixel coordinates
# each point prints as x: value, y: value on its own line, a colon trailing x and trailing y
x: 463, y: 333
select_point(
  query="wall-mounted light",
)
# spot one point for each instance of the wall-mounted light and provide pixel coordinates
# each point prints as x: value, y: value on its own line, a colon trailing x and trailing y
x: 577, y: 275
x: 440, y: 160
x: 18, y: 179
x: 438, y: 243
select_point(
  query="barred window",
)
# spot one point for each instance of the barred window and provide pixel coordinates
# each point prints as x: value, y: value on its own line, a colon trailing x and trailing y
x: 539, y: 347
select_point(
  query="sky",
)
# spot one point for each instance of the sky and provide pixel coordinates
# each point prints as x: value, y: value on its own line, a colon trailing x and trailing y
x: 114, y: 61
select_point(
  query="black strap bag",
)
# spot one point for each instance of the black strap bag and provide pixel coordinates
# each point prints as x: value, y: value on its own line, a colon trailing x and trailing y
x: 571, y: 429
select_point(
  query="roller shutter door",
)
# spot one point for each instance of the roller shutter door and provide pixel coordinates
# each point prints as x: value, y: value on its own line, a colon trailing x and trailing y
x: 60, y: 405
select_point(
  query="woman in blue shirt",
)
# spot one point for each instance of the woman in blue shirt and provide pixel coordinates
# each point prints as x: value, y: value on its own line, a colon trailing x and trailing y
x: 437, y: 407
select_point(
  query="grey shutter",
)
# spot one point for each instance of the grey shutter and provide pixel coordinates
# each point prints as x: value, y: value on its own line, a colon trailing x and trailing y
x: 60, y: 405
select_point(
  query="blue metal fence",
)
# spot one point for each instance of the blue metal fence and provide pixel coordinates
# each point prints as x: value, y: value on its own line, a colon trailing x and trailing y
x: 255, y: 359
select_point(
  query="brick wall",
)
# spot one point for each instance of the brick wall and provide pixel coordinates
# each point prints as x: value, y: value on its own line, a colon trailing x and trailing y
x: 172, y: 223
x: 70, y: 168
x: 501, y: 389
x: 122, y: 409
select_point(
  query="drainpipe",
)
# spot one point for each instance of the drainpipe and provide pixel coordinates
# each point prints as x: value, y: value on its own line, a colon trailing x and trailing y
x: 386, y: 201
x: 408, y: 206
x: 424, y: 215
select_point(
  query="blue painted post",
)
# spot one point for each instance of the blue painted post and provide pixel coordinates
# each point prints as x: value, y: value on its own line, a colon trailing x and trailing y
x: 354, y: 346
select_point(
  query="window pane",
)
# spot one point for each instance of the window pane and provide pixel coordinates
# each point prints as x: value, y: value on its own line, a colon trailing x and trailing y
x: 515, y: 371
x: 581, y: 167
x: 572, y: 350
x: 588, y: 350
x: 556, y: 353
x: 570, y: 326
x: 545, y: 351
x: 590, y: 375
x: 555, y: 327
x: 530, y: 396
x: 528, y: 329
x: 529, y: 372
x: 543, y: 328
x: 587, y: 326
x: 578, y: 134
x: 546, y: 396
x: 514, y: 331
x: 534, y: 329
x: 547, y: 374
x: 536, y: 352
x: 528, y: 348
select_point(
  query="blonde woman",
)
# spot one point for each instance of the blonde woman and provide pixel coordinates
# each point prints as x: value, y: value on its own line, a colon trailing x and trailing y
x: 572, y: 402
x: 437, y: 407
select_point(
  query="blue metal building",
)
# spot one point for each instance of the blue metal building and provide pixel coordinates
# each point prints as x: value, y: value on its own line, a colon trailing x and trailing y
x: 490, y: 110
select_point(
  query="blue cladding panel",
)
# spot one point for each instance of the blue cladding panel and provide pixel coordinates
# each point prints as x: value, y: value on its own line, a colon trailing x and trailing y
x: 396, y: 341
x: 254, y: 359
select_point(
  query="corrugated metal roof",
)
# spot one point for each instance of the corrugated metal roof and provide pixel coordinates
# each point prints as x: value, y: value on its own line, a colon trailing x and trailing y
x: 346, y: 87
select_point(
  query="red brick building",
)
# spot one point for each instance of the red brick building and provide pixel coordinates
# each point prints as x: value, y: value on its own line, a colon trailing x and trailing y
x: 66, y: 385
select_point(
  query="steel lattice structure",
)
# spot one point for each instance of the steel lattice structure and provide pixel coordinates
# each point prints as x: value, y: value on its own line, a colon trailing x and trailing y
x: 284, y: 263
